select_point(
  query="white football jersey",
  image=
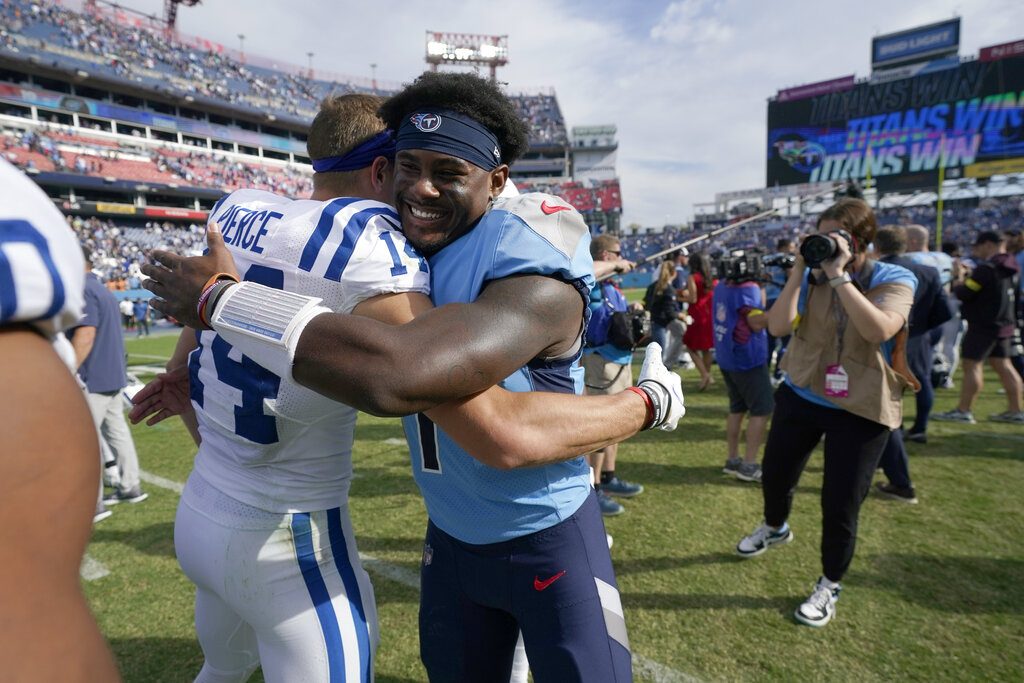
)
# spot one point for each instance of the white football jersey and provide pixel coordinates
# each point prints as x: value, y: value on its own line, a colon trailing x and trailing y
x: 42, y: 270
x: 269, y: 442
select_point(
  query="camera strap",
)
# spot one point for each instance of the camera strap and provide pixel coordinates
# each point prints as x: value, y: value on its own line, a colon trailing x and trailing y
x: 862, y: 281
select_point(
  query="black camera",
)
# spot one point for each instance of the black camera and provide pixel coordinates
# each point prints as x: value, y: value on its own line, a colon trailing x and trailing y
x: 740, y: 266
x: 783, y: 261
x: 817, y: 248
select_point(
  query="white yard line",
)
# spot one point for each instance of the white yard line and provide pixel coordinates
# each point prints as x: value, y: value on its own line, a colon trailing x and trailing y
x: 91, y: 569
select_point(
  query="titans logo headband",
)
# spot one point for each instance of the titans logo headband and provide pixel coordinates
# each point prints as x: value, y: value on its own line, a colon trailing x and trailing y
x: 450, y: 133
x: 362, y: 155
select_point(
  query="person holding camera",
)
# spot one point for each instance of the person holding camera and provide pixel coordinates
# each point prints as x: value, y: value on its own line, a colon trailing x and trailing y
x: 844, y: 311
x: 741, y: 349
x: 608, y: 368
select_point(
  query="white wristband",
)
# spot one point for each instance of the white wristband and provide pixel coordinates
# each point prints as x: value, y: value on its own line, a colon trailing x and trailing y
x: 264, y: 323
x: 840, y: 280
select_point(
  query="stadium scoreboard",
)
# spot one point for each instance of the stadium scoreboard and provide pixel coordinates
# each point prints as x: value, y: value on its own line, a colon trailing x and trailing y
x: 905, y: 125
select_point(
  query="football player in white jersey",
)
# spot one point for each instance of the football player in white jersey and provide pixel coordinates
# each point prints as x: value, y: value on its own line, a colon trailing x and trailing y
x: 272, y: 474
x: 48, y: 489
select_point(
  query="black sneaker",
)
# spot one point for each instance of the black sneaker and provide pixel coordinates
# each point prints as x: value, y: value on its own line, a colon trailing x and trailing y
x: 732, y: 465
x: 749, y: 471
x: 897, y: 493
x: 916, y: 437
x: 134, y: 495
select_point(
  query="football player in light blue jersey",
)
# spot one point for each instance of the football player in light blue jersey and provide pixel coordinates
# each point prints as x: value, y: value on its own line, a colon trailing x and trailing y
x: 544, y: 497
x: 46, y: 630
x: 522, y: 549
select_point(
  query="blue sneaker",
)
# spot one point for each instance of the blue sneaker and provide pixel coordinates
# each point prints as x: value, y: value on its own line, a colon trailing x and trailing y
x: 609, y: 508
x: 623, y: 489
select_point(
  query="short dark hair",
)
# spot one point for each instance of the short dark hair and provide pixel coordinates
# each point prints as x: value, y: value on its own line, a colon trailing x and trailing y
x: 891, y: 240
x: 466, y: 94
x: 989, y: 236
x: 783, y: 243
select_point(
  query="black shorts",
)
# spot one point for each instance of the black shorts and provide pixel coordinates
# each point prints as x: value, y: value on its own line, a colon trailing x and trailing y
x: 979, y: 344
x: 750, y: 391
x: 556, y: 585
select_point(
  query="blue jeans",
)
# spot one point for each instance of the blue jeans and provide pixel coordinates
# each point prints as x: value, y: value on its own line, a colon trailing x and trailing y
x: 659, y: 334
x: 894, y: 460
x: 920, y: 354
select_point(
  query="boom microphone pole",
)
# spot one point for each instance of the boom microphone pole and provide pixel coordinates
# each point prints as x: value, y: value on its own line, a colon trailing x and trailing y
x: 725, y: 228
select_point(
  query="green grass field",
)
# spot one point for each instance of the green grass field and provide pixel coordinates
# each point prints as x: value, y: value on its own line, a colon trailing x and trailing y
x: 933, y: 593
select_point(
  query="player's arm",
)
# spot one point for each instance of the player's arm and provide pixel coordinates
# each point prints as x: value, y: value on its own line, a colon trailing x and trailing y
x: 505, y: 429
x: 47, y: 498
x: 168, y: 394
x: 82, y: 340
x: 445, y: 353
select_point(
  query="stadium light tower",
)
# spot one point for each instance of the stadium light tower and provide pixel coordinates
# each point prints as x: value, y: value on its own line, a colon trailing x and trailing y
x: 464, y: 49
x: 171, y: 12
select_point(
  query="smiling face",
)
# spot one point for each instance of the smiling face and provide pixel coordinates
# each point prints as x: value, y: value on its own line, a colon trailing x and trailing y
x: 439, y: 197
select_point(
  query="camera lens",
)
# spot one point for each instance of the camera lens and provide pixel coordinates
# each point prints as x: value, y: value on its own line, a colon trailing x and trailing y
x: 817, y: 248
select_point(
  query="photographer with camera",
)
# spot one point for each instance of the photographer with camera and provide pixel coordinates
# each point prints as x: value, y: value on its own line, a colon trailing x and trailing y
x: 607, y: 362
x: 844, y: 310
x: 741, y: 349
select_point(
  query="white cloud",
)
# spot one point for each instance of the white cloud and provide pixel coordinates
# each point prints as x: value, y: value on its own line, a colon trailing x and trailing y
x: 691, y: 21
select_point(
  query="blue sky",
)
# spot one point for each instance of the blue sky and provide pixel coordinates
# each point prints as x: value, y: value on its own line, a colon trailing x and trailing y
x: 685, y: 82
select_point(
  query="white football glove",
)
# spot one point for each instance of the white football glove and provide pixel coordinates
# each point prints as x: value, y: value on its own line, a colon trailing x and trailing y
x: 663, y: 387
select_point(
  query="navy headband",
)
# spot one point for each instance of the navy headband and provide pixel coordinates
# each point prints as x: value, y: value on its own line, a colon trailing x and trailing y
x: 362, y: 155
x: 450, y: 133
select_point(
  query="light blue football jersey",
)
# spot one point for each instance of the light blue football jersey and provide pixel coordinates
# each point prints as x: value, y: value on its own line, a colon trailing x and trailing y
x: 475, y: 503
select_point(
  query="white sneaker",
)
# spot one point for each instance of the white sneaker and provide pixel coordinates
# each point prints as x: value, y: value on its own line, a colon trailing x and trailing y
x: 819, y: 609
x: 762, y: 539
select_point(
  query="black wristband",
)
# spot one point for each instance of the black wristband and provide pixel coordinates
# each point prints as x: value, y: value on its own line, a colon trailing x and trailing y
x: 660, y: 401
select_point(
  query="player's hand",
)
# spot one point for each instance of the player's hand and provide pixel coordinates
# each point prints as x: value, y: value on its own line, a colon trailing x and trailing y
x: 663, y: 387
x: 177, y: 281
x: 164, y: 397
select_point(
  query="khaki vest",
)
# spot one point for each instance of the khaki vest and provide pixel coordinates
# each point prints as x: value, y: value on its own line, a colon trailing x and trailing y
x: 876, y: 390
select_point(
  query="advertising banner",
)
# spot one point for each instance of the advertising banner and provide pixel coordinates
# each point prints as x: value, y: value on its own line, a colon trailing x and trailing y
x: 899, y: 133
x: 916, y: 44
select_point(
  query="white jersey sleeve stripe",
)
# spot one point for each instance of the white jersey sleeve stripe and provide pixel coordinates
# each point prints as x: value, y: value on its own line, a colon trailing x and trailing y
x: 25, y: 257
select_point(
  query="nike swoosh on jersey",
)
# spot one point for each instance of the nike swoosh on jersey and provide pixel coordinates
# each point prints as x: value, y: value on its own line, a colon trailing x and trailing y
x: 541, y: 585
x: 548, y: 209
